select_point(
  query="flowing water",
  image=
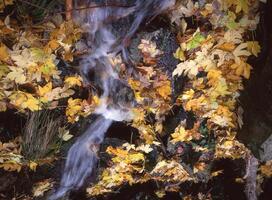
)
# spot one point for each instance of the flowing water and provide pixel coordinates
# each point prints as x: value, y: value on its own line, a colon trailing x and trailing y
x: 104, y: 45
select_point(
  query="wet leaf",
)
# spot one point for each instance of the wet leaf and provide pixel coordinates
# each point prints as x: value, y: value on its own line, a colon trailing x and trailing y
x: 41, y: 187
x: 17, y: 75
x: 73, y: 81
x: 254, y: 47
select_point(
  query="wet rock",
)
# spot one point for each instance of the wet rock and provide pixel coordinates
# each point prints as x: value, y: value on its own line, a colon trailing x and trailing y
x: 266, y: 150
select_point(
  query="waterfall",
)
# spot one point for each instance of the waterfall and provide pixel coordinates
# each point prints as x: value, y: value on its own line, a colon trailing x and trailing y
x: 82, y: 156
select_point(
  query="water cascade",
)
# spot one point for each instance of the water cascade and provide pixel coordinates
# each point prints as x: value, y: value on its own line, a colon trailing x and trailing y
x: 116, y: 97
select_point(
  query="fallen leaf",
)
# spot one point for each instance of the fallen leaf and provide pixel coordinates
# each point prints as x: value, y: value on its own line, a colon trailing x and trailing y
x: 4, y: 55
x: 73, y: 81
x: 17, y: 75
x: 41, y: 187
x: 254, y: 47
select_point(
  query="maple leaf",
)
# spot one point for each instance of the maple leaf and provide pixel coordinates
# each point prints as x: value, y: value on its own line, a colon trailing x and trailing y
x: 33, y: 166
x: 231, y: 149
x: 53, y: 45
x: 254, y: 47
x: 4, y: 69
x: 145, y: 148
x: 183, y: 10
x: 233, y: 36
x: 79, y: 107
x: 45, y: 89
x: 74, y: 107
x: 58, y: 93
x: 222, y: 56
x: 4, y: 55
x: 179, y: 54
x: 181, y: 135
x: 220, y: 89
x: 196, y: 104
x: 41, y: 187
x: 249, y: 22
x: 48, y: 69
x: 22, y: 58
x: 241, y: 50
x: 226, y: 47
x: 222, y: 116
x: 187, y: 95
x: 214, y: 76
x: 23, y: 100
x: 73, y: 81
x: 241, y: 5
x: 149, y: 47
x: 189, y: 68
x: 164, y: 90
x: 17, y: 75
x: 170, y: 171
x: 266, y: 169
x: 195, y: 41
x: 66, y: 136
x: 242, y: 69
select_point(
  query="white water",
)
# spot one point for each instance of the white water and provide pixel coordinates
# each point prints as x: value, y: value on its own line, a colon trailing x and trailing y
x: 82, y: 156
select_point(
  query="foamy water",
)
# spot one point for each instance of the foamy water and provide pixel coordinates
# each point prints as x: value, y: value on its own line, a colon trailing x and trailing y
x: 82, y: 156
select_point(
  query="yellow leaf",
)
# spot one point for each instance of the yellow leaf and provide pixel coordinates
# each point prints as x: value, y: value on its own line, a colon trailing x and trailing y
x: 53, y: 45
x: 23, y: 100
x: 254, y: 47
x: 266, y: 169
x: 74, y: 107
x: 73, y: 81
x: 45, y: 89
x: 33, y: 165
x: 227, y: 47
x: 181, y: 135
x: 32, y: 104
x: 179, y: 54
x: 4, y: 55
x: 220, y: 89
x: 160, y: 193
x: 188, y: 94
x: 241, y: 5
x: 216, y: 173
x: 239, y: 180
x: 214, y: 76
x: 164, y: 90
x: 242, y: 69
